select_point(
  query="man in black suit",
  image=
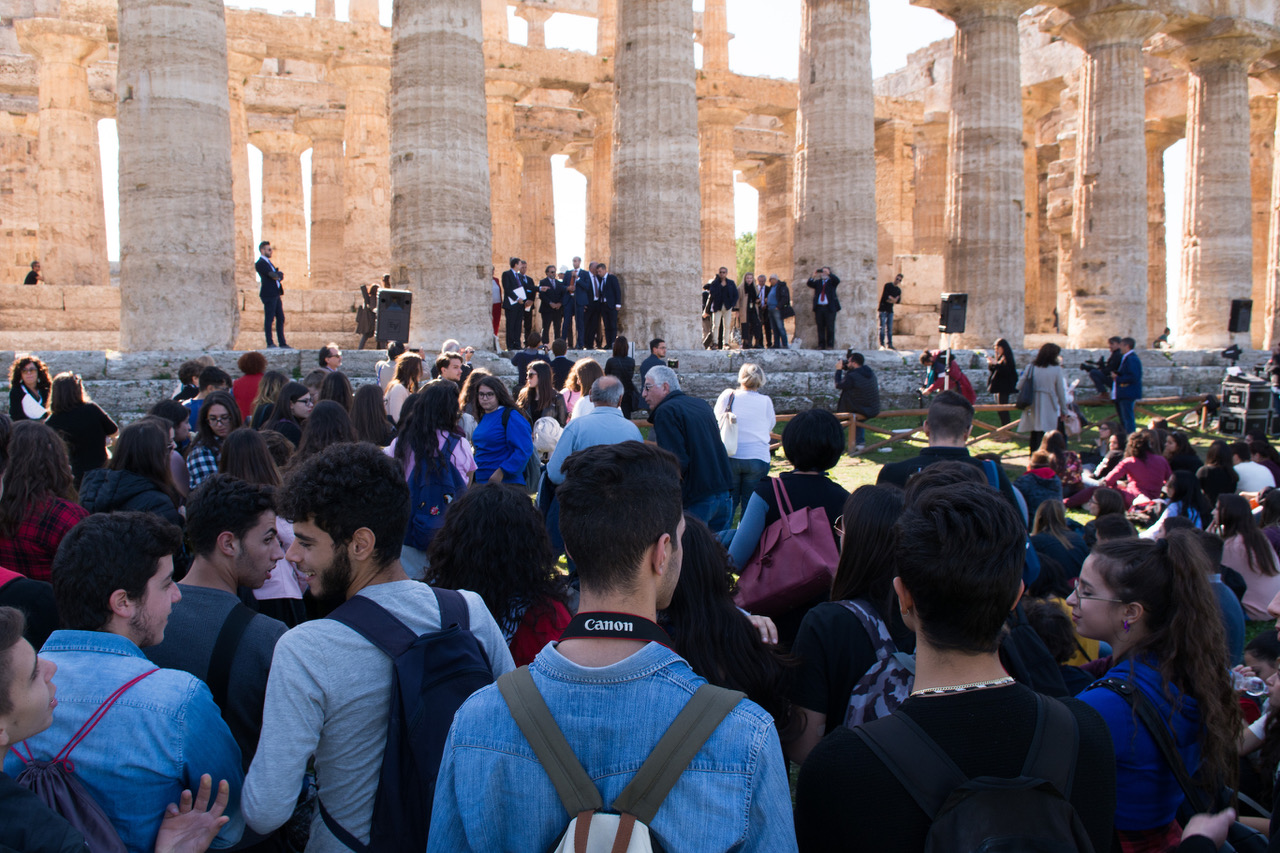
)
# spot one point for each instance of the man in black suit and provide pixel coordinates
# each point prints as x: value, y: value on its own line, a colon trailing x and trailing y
x: 551, y: 296
x: 271, y: 293
x: 826, y: 304
x: 577, y: 283
x: 608, y: 302
x: 516, y: 297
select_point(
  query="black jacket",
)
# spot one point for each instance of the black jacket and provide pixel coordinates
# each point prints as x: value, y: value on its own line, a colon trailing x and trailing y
x: 104, y: 490
x: 899, y: 472
x: 29, y: 826
x: 720, y: 297
x: 269, y: 284
x: 1002, y: 377
x: 581, y: 281
x: 833, y: 299
x: 859, y: 391
x: 686, y: 426
x: 551, y: 290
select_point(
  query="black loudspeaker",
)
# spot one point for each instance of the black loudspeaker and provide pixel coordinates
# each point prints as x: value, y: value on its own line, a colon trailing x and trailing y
x: 394, y: 307
x: 954, y: 306
x: 1241, y: 315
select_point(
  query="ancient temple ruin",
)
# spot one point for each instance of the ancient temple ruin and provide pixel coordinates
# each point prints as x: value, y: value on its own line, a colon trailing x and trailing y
x: 1020, y: 163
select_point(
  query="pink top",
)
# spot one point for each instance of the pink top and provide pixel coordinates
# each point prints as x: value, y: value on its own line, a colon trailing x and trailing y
x: 571, y: 399
x: 285, y: 582
x: 1260, y: 589
x: 462, y: 457
x: 1145, y: 477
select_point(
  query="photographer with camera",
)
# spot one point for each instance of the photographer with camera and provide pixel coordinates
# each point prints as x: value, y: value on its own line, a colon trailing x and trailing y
x: 1103, y: 371
x: 859, y: 391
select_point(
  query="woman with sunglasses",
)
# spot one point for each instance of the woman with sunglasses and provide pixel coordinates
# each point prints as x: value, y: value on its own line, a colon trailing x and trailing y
x: 539, y: 398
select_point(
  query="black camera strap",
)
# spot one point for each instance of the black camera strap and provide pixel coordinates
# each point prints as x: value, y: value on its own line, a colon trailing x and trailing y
x: 615, y: 626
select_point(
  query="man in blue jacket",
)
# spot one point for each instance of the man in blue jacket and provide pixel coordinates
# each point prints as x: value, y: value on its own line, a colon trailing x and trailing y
x: 1127, y: 389
x: 577, y: 282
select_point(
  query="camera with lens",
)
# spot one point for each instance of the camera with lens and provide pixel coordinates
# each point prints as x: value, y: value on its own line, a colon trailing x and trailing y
x: 1100, y: 364
x: 673, y: 363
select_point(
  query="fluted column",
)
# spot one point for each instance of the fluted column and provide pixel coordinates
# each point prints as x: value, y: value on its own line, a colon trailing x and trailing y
x: 931, y: 185
x: 328, y: 219
x: 1217, y: 238
x: 777, y: 227
x: 986, y: 237
x: 19, y: 209
x: 244, y: 59
x: 505, y: 164
x: 367, y: 176
x: 441, y: 226
x: 537, y: 206
x: 606, y: 27
x: 599, y: 102
x: 284, y: 221
x: 835, y: 181
x: 656, y: 251
x: 73, y: 224
x: 1272, y: 305
x: 1160, y: 135
x: 715, y: 145
x: 715, y: 36
x: 177, y: 218
x: 537, y: 20
x: 1109, y: 226
x: 1262, y: 133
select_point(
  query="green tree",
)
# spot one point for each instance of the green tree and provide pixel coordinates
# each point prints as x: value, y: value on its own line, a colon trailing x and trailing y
x: 746, y: 254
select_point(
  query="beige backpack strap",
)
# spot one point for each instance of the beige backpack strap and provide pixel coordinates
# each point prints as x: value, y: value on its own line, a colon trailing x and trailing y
x: 577, y: 792
x: 664, y: 766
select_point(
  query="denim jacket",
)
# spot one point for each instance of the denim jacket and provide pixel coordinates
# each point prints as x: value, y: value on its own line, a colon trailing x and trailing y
x: 155, y: 741
x: 492, y: 793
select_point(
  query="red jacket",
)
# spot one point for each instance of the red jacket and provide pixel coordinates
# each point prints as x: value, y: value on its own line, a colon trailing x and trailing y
x: 244, y: 390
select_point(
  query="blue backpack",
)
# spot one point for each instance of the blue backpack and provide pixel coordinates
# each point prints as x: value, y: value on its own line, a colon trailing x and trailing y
x: 432, y: 675
x: 431, y: 489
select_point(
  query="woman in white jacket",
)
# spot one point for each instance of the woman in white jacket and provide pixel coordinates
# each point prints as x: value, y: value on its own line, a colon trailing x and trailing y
x: 754, y: 412
x: 1049, y: 402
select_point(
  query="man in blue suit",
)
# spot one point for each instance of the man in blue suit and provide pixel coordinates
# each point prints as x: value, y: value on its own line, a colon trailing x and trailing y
x: 578, y: 283
x: 608, y: 302
x: 1128, y: 384
x: 271, y: 293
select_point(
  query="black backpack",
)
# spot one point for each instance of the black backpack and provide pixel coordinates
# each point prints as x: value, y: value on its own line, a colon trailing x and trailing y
x: 1028, y: 814
x: 432, y: 675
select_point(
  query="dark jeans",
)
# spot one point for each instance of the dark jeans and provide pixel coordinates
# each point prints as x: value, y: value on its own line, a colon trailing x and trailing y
x: 273, y: 309
x: 1124, y: 408
x: 1003, y: 400
x: 580, y: 323
x: 779, y: 329
x: 767, y: 322
x: 515, y: 319
x: 591, y: 334
x: 1034, y: 439
x: 746, y: 474
x: 886, y: 328
x: 716, y: 510
x: 825, y: 316
x: 1100, y: 381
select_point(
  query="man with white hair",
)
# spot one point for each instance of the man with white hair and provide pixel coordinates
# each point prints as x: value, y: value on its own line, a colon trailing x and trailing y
x: 686, y: 427
x: 602, y: 425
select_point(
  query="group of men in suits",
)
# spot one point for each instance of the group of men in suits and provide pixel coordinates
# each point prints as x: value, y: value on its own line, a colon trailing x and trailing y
x: 584, y: 302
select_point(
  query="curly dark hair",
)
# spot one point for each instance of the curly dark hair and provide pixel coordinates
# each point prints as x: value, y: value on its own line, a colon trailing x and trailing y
x: 328, y: 424
x: 1138, y: 444
x: 43, y: 381
x: 434, y: 409
x: 494, y: 542
x: 106, y: 552
x: 346, y: 487
x: 711, y: 633
x: 252, y: 363
x: 224, y: 503
x: 38, y: 469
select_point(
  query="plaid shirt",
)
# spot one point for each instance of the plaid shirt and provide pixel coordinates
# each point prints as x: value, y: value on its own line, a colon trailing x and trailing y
x: 201, y: 464
x: 30, y: 551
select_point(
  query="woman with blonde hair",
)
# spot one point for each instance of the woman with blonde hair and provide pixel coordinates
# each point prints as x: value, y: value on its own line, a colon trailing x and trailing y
x: 755, y: 418
x: 408, y: 375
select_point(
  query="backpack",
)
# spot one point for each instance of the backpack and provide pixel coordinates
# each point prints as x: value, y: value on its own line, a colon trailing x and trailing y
x: 432, y: 675
x: 887, y: 683
x: 625, y: 827
x: 55, y: 783
x: 1031, y: 813
x: 430, y: 493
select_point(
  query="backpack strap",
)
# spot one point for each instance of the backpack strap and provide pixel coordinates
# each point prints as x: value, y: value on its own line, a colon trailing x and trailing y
x: 453, y: 609
x: 695, y: 723
x: 224, y: 652
x: 376, y: 624
x: 1052, y: 756
x: 577, y: 792
x: 914, y: 758
x: 89, y: 724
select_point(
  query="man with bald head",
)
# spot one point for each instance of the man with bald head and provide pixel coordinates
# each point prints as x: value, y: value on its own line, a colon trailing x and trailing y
x: 602, y: 425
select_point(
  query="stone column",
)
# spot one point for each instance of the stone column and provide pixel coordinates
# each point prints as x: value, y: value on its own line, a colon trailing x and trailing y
x: 537, y: 206
x: 328, y: 218
x: 73, y: 222
x: 930, y: 225
x: 244, y: 59
x: 1217, y: 239
x: 19, y: 209
x: 367, y: 176
x: 284, y: 220
x: 1262, y: 133
x: 777, y: 227
x: 1160, y: 135
x: 177, y: 222
x: 537, y: 20
x: 715, y: 137
x: 504, y: 168
x: 986, y: 229
x: 599, y: 102
x: 656, y: 250
x: 1272, y: 305
x: 835, y: 167
x: 440, y: 173
x: 363, y: 12
x: 715, y: 37
x: 1109, y: 228
x: 606, y: 27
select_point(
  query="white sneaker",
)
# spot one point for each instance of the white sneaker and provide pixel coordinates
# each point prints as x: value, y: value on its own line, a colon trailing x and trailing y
x: 885, y: 450
x: 860, y: 448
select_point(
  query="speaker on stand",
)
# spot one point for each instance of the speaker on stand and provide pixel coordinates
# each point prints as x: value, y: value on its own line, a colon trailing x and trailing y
x: 1241, y: 315
x: 394, y: 309
x: 951, y: 322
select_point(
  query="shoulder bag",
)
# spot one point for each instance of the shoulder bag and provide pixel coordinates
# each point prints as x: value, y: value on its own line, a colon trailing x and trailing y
x: 728, y: 423
x: 794, y: 563
x: 1027, y: 390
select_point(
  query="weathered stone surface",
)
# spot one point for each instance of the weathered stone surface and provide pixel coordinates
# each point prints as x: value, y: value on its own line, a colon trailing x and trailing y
x: 244, y: 59
x: 328, y: 219
x: 367, y: 178
x: 284, y: 220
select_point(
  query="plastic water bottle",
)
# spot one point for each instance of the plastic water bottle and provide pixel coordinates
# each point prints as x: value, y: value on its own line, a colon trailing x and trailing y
x: 1250, y: 685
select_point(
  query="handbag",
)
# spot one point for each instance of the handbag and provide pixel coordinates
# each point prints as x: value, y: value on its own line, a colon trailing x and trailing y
x: 794, y: 563
x: 728, y: 423
x: 1027, y: 390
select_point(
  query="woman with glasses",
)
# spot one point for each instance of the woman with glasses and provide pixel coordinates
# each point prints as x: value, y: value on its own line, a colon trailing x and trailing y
x: 137, y: 478
x: 292, y: 408
x: 538, y: 397
x: 29, y: 386
x: 503, y: 439
x: 1152, y: 602
x: 83, y: 426
x: 218, y: 417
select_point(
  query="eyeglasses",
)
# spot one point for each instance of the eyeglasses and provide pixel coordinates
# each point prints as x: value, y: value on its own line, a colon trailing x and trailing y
x: 839, y: 525
x: 532, y: 373
x: 486, y: 395
x: 306, y: 401
x: 219, y: 419
x: 1075, y: 590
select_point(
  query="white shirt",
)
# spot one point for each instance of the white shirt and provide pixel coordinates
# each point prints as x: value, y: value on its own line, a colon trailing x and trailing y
x: 756, y: 419
x: 1253, y: 477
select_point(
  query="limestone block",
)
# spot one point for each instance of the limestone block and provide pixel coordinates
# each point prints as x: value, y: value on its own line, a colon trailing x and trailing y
x: 151, y: 365
x: 923, y: 278
x: 127, y: 400
x: 60, y: 341
x: 63, y: 321
x: 89, y: 364
x: 327, y: 301
x: 42, y: 297
x: 93, y: 298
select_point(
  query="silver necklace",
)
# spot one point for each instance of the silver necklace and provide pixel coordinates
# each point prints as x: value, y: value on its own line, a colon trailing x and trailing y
x: 961, y: 688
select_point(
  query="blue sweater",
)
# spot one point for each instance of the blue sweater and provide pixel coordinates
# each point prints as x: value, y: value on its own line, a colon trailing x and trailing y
x: 496, y: 447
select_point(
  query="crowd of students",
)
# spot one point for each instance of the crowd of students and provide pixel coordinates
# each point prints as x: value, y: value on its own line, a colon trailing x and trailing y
x: 233, y: 622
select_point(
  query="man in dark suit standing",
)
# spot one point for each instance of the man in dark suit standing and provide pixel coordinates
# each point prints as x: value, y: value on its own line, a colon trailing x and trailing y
x: 577, y: 282
x: 1128, y: 384
x: 271, y: 293
x: 551, y: 296
x: 515, y: 296
x: 826, y: 304
x: 609, y: 301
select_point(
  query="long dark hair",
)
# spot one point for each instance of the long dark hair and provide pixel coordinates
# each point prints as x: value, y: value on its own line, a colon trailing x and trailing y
x: 6, y: 432
x: 710, y: 632
x: 327, y: 424
x: 245, y: 455
x: 1185, y: 489
x: 1235, y: 518
x: 1218, y: 455
x: 369, y: 416
x: 1004, y: 352
x: 533, y: 404
x: 1051, y: 518
x: 205, y: 436
x: 494, y: 542
x: 289, y: 394
x: 499, y: 388
x: 1181, y: 446
x: 142, y: 448
x: 1108, y: 501
x: 38, y: 469
x: 1055, y: 444
x: 467, y: 396
x: 866, y: 566
x: 432, y: 410
x: 337, y: 387
x: 1170, y: 579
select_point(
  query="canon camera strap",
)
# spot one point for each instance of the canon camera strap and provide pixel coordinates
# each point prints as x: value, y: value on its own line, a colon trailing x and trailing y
x: 615, y: 626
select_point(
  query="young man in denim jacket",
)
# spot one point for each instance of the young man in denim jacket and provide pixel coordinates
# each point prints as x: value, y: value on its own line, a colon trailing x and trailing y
x: 613, y: 697
x: 113, y: 581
